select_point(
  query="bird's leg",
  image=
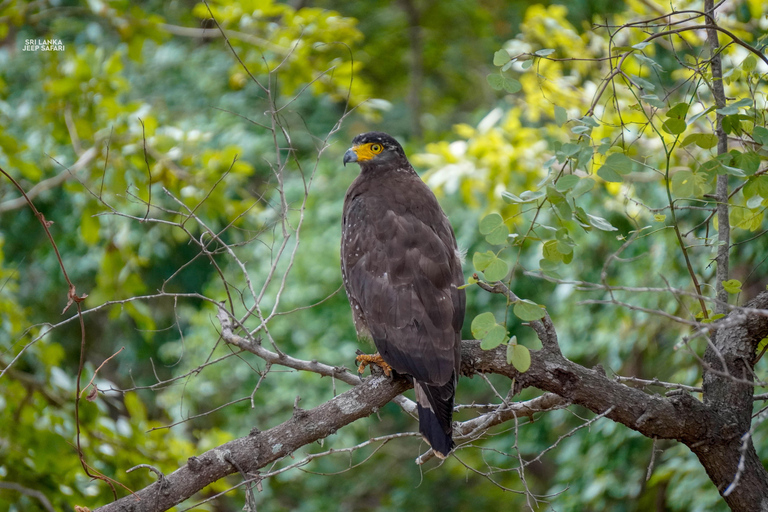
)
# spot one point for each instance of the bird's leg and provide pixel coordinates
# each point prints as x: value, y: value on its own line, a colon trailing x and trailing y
x: 375, y: 359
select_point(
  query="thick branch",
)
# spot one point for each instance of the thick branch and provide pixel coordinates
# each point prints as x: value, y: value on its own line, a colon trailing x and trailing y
x: 731, y: 453
x: 261, y: 448
x: 680, y: 417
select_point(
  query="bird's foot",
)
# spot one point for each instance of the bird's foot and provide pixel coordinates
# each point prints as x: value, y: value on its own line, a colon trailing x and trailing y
x: 365, y: 359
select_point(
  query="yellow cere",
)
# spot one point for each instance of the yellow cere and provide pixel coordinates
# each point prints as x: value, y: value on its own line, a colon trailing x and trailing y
x: 367, y: 151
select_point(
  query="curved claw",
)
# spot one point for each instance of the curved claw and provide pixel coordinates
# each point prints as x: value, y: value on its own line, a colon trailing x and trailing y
x: 375, y: 359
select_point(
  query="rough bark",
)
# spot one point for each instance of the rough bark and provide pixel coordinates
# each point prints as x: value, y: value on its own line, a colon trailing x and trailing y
x: 261, y: 448
x: 713, y: 429
x: 728, y: 394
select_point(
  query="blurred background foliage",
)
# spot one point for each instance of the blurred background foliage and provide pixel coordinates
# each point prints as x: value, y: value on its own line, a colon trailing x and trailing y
x: 147, y: 98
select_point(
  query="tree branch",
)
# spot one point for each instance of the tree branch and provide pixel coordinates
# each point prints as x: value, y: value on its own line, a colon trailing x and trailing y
x: 723, y: 222
x: 679, y: 417
x: 261, y: 448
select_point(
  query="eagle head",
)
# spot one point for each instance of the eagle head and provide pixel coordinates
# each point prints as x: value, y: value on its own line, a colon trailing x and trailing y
x: 373, y: 149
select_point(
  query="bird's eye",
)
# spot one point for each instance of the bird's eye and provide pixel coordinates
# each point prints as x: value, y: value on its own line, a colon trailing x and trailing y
x: 376, y: 148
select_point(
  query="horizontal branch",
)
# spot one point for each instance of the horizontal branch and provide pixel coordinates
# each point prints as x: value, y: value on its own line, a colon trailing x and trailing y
x: 679, y: 417
x: 261, y: 448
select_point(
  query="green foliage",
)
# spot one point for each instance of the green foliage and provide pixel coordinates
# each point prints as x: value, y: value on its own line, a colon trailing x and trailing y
x: 528, y: 311
x: 518, y: 355
x: 562, y: 194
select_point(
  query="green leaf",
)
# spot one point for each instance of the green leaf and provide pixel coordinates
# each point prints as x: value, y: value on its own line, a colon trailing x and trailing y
x: 496, y: 81
x: 482, y: 324
x: 499, y: 82
x: 498, y: 236
x: 748, y: 65
x: 682, y: 184
x: 496, y: 270
x: 674, y: 126
x: 481, y: 260
x: 544, y: 52
x: 568, y: 149
x: 703, y: 140
x: 754, y: 202
x: 653, y: 100
x: 600, y: 223
x: 490, y: 222
x: 495, y: 337
x: 761, y: 345
x: 647, y: 61
x: 748, y: 161
x: 743, y: 102
x: 550, y: 252
x: 561, y: 115
x: 511, y: 85
x: 615, y: 165
x: 732, y: 286
x: 760, y: 135
x: 590, y: 121
x: 528, y: 311
x: 500, y: 58
x: 641, y: 45
x: 526, y: 197
x: 643, y: 83
x: 700, y: 114
x: 679, y: 111
x: 566, y: 182
x: 582, y: 187
x: 729, y: 110
x: 609, y: 174
x: 732, y: 124
x: 519, y: 356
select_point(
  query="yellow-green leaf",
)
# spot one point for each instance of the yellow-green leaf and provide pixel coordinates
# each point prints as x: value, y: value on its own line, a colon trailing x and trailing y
x: 528, y: 311
x: 519, y: 356
x: 732, y: 286
x: 490, y: 222
x: 482, y: 324
x: 495, y: 337
x: 496, y: 271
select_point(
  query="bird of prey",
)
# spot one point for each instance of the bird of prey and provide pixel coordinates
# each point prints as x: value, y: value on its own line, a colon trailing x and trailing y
x: 402, y: 272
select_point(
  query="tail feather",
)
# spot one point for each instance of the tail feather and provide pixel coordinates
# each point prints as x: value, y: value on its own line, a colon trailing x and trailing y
x: 435, y: 406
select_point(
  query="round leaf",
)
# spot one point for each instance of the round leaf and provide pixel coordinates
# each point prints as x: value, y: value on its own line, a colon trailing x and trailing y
x: 732, y: 286
x: 498, y: 236
x: 496, y: 81
x: 500, y: 58
x: 490, y: 222
x: 495, y: 337
x: 528, y: 311
x: 482, y: 324
x: 566, y: 182
x: 481, y: 260
x: 511, y: 85
x: 519, y: 357
x: 496, y: 271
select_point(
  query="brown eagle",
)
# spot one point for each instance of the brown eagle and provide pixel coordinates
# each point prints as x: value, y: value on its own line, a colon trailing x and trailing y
x: 402, y: 272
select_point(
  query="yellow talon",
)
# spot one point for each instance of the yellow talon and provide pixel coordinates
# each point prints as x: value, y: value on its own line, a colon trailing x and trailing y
x: 376, y: 359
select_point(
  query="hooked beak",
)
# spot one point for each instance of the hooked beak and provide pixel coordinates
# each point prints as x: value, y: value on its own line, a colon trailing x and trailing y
x: 350, y: 156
